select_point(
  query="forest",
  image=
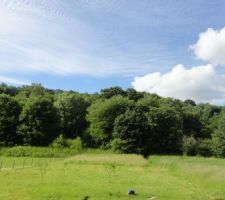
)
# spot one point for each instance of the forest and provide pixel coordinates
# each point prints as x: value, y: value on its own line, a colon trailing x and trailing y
x: 124, y: 121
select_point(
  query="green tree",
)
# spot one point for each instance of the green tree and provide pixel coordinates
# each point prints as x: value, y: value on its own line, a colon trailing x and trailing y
x: 32, y: 90
x: 101, y: 116
x: 218, y: 143
x: 38, y: 122
x: 132, y: 128
x: 149, y: 101
x: 218, y: 137
x: 133, y: 94
x: 111, y: 92
x: 10, y: 90
x: 206, y: 113
x: 9, y: 119
x: 189, y: 102
x: 175, y: 104
x: 191, y: 125
x: 72, y: 109
x: 166, y: 135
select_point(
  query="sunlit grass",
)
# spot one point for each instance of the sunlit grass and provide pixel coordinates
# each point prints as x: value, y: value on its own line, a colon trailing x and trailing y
x: 108, y: 176
x: 117, y: 159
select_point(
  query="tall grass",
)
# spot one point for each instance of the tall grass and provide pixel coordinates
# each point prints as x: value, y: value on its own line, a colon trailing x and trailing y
x: 47, y: 152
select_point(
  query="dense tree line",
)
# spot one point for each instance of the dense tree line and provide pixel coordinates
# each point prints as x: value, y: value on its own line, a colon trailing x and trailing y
x: 123, y: 120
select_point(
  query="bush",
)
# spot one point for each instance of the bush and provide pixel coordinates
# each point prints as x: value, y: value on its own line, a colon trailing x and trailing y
x: 119, y: 145
x: 204, y: 148
x: 190, y: 146
x: 75, y: 144
x: 59, y: 142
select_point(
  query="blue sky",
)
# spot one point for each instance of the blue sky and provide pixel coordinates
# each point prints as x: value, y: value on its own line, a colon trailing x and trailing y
x: 86, y: 45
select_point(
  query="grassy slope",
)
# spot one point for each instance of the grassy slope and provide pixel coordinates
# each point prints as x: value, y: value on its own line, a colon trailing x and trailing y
x: 108, y: 176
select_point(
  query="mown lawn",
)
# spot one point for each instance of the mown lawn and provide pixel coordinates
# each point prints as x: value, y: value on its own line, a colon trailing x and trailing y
x: 108, y: 176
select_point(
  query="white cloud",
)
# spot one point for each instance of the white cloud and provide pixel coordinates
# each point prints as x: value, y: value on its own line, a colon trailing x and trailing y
x: 200, y: 83
x: 14, y: 81
x: 211, y: 46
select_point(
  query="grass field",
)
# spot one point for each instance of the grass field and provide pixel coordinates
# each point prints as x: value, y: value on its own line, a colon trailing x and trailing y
x: 108, y: 176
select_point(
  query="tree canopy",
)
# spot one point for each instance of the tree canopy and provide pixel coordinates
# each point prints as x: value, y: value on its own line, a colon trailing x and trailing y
x: 124, y: 120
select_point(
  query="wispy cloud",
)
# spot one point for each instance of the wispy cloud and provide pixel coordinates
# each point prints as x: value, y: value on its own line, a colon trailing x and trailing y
x: 54, y: 37
x: 31, y: 42
x: 14, y: 81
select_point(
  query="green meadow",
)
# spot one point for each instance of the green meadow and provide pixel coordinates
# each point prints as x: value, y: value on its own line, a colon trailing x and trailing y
x: 101, y: 176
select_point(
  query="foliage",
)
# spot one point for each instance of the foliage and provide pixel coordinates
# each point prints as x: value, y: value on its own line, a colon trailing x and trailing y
x: 10, y: 90
x: 101, y: 116
x: 218, y: 144
x: 34, y: 90
x: 166, y: 134
x: 119, y: 145
x: 34, y: 115
x: 218, y: 137
x: 149, y: 101
x: 189, y: 102
x: 71, y: 109
x: 75, y: 144
x: 190, y: 146
x: 111, y: 92
x: 9, y: 120
x: 38, y: 122
x: 205, y: 147
x: 205, y: 113
x: 191, y: 125
x: 61, y: 142
x: 132, y: 130
x: 133, y: 94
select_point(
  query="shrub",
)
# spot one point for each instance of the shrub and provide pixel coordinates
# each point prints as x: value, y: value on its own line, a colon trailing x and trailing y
x: 59, y: 142
x: 190, y: 146
x: 119, y: 145
x: 75, y: 144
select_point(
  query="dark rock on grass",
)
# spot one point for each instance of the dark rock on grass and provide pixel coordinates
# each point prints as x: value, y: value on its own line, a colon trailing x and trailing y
x: 131, y: 192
